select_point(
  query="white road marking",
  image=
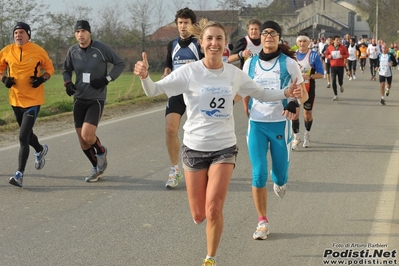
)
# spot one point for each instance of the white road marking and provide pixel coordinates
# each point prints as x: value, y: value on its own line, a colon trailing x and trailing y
x: 381, y: 228
x: 106, y: 122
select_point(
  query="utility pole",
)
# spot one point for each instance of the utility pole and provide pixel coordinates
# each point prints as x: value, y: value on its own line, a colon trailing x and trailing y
x: 376, y: 22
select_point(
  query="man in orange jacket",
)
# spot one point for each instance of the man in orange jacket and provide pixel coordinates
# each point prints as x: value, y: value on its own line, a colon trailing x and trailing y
x: 337, y: 54
x: 24, y: 67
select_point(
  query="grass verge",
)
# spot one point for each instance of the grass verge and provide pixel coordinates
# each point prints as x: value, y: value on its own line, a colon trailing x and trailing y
x: 124, y: 91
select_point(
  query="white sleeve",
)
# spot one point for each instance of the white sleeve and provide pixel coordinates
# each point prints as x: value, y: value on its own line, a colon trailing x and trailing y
x: 245, y: 67
x: 173, y: 84
x: 268, y: 95
x: 251, y: 88
x: 150, y: 87
x: 294, y: 70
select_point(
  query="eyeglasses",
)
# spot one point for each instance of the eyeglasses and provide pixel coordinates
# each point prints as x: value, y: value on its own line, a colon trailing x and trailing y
x: 271, y: 33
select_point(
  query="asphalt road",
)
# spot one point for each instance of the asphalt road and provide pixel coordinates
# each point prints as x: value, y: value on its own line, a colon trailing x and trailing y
x: 342, y: 195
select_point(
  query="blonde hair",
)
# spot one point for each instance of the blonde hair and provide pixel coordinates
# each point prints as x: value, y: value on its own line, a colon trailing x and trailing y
x: 198, y: 29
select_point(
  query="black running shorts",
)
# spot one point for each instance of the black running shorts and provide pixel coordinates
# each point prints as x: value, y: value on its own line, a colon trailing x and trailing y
x: 175, y: 105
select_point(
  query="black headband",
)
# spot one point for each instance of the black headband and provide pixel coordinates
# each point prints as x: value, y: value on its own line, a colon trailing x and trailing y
x: 272, y: 25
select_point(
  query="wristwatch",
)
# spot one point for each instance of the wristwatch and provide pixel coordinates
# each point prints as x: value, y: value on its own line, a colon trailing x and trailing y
x: 108, y: 78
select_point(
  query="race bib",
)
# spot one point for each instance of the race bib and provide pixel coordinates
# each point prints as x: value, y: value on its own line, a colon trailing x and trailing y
x: 335, y: 54
x: 216, y: 102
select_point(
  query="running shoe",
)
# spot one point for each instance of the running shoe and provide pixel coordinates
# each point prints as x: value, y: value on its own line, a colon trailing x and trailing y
x: 295, y: 142
x: 386, y: 91
x: 280, y: 191
x: 306, y: 139
x: 261, y: 231
x: 94, y: 175
x: 354, y: 77
x: 17, y: 179
x: 174, y: 178
x: 383, y: 102
x: 40, y: 161
x: 328, y: 85
x: 102, y: 161
x: 209, y: 262
x: 335, y: 98
x: 341, y: 89
x: 350, y: 78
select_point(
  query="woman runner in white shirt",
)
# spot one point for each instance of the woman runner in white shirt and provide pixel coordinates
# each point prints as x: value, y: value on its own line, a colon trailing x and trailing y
x: 209, y: 150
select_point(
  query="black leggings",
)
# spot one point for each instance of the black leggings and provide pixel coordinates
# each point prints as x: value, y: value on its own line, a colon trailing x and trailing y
x: 337, y: 71
x: 362, y: 63
x: 26, y: 118
x: 373, y: 65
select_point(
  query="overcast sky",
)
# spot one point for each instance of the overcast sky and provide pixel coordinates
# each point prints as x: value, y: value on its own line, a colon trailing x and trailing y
x: 59, y: 6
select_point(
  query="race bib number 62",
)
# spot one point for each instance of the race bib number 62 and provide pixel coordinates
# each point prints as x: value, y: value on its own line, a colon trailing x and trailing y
x: 216, y: 102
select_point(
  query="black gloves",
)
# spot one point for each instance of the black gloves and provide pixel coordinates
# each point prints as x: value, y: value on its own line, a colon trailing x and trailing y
x: 291, y: 106
x: 8, y: 81
x: 99, y: 83
x: 37, y: 81
x: 70, y: 88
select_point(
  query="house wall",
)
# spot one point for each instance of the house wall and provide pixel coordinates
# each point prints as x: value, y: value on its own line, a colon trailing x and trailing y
x: 324, y: 7
x: 362, y: 28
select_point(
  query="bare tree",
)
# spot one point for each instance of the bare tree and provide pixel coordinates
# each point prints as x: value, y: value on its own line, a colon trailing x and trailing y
x: 202, y: 4
x: 111, y: 25
x: 57, y: 31
x: 231, y: 4
x: 388, y: 17
x: 140, y: 12
x: 177, y: 5
x: 56, y: 36
x: 160, y: 15
x: 264, y: 3
x: 11, y: 12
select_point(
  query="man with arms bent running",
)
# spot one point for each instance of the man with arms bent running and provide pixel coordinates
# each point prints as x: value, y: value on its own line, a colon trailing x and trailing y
x: 182, y: 50
x: 89, y: 59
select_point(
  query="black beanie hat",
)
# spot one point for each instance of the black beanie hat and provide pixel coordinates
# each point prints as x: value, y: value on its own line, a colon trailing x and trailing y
x: 24, y: 26
x: 82, y: 25
x: 272, y: 25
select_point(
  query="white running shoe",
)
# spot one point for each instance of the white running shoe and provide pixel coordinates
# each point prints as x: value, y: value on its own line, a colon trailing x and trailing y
x: 261, y: 231
x: 102, y: 161
x: 280, y: 191
x: 94, y: 175
x: 296, y: 141
x: 16, y: 179
x: 354, y: 77
x: 350, y: 78
x: 306, y: 139
x: 386, y: 91
x: 174, y: 178
x: 40, y: 161
x: 335, y: 98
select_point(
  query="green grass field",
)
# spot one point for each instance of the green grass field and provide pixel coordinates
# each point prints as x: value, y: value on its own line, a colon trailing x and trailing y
x: 125, y: 90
